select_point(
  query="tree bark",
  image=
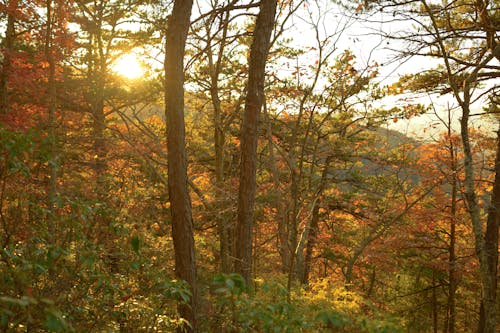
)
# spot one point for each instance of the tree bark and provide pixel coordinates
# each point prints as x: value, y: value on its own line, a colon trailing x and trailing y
x: 453, y: 282
x: 96, y: 76
x: 99, y: 118
x: 487, y: 315
x: 434, y: 304
x: 489, y: 27
x: 224, y: 225
x: 486, y: 244
x: 52, y: 106
x: 249, y: 135
x: 282, y: 237
x: 313, y: 232
x: 8, y: 47
x: 180, y: 203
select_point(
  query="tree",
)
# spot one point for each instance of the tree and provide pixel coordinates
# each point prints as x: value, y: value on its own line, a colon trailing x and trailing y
x: 52, y: 108
x: 99, y: 94
x: 180, y: 203
x: 303, y: 134
x: 462, y: 38
x: 486, y: 243
x: 249, y: 135
x: 7, y: 49
x: 101, y: 42
x: 22, y: 59
x: 219, y: 48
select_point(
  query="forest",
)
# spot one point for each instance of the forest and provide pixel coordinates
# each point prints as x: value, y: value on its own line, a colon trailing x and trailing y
x: 249, y: 165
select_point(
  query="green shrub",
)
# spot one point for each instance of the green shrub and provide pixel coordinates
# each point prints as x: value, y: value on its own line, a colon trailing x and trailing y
x: 323, y: 307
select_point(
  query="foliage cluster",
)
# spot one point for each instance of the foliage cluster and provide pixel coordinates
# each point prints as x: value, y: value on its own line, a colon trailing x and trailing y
x: 324, y: 307
x: 358, y: 228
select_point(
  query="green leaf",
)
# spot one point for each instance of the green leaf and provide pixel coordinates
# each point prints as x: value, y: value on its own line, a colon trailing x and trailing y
x: 135, y: 265
x: 220, y: 290
x: 55, y: 322
x: 136, y: 243
x: 52, y: 323
x: 230, y: 283
x: 23, y: 301
x: 4, y: 317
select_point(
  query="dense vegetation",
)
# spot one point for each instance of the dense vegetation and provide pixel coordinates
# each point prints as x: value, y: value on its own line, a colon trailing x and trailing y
x: 249, y: 179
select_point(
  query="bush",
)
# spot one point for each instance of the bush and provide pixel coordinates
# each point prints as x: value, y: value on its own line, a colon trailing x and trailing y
x: 323, y: 307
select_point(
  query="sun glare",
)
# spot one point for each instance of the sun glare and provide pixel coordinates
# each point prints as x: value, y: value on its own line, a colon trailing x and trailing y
x: 129, y: 66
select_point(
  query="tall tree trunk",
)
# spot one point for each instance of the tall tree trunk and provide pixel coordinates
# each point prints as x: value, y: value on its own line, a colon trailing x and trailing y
x: 8, y: 47
x: 434, y: 304
x: 249, y: 135
x: 97, y: 79
x: 282, y: 237
x: 453, y: 282
x: 292, y: 218
x: 297, y: 263
x: 486, y: 244
x: 488, y: 303
x: 313, y: 232
x: 180, y: 203
x: 224, y: 225
x: 52, y: 105
x: 99, y: 117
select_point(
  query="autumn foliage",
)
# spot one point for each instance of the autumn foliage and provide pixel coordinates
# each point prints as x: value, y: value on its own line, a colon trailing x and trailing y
x: 357, y: 227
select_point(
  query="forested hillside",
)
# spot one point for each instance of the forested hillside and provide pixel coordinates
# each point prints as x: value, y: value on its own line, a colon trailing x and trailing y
x: 249, y: 166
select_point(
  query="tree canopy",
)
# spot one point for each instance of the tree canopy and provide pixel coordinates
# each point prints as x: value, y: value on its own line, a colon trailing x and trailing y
x: 249, y: 166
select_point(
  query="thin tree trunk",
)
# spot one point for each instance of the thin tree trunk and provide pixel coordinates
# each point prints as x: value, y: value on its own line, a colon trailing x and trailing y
x: 292, y: 218
x: 249, y: 135
x: 224, y: 225
x: 296, y: 255
x: 313, y: 232
x: 488, y: 303
x: 96, y: 76
x: 371, y: 285
x: 282, y: 237
x: 180, y: 203
x: 434, y: 305
x: 99, y: 119
x: 452, y: 286
x: 486, y: 244
x: 8, y: 47
x: 52, y: 105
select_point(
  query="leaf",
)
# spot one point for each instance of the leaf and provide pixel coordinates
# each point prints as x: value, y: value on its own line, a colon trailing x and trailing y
x: 136, y: 243
x: 4, y: 317
x: 53, y: 323
x: 135, y: 265
x: 220, y: 291
x: 230, y: 283
x: 23, y: 301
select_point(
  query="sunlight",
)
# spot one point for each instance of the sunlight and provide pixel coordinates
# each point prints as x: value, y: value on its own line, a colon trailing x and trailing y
x: 129, y: 66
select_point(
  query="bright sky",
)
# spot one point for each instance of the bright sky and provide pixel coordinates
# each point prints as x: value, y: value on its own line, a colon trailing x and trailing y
x: 129, y: 65
x: 361, y: 38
